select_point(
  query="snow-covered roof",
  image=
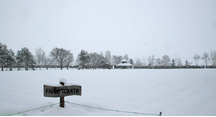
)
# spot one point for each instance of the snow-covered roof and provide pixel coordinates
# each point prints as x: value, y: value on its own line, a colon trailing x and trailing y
x: 124, y: 60
x: 124, y: 64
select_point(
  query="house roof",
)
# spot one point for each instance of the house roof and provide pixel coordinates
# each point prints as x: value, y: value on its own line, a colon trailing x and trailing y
x: 124, y: 64
x: 123, y: 60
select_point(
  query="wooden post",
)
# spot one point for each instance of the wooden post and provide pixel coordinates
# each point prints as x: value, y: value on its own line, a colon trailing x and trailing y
x: 62, y: 102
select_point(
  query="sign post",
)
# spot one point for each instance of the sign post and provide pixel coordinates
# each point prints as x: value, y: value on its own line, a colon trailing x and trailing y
x: 62, y: 91
x: 62, y: 102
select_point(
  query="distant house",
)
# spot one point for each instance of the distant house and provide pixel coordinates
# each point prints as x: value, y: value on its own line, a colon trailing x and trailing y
x: 124, y: 65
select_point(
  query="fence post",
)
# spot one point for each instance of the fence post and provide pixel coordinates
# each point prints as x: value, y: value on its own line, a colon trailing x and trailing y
x: 160, y: 114
x: 62, y: 102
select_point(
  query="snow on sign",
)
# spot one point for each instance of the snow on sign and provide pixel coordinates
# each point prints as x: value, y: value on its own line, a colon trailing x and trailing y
x: 61, y: 91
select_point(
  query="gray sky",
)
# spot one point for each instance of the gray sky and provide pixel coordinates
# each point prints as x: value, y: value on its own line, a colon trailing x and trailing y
x: 139, y: 28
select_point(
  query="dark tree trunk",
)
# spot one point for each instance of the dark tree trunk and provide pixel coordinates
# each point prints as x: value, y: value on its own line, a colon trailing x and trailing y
x: 32, y: 67
x: 11, y: 68
x: 2, y: 67
x: 26, y: 68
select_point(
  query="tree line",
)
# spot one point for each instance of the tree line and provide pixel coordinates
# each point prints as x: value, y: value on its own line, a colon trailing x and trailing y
x: 166, y: 62
x: 25, y: 59
x: 61, y: 58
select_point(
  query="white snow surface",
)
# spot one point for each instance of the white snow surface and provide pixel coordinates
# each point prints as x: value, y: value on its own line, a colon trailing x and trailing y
x: 176, y: 92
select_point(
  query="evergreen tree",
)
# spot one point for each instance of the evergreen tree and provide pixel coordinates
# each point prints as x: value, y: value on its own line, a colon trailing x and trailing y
x: 3, y: 55
x: 25, y: 58
x: 187, y: 63
x: 105, y: 64
x: 11, y: 59
x: 173, y: 63
x: 84, y: 59
x: 19, y: 60
x: 7, y: 57
x: 131, y: 61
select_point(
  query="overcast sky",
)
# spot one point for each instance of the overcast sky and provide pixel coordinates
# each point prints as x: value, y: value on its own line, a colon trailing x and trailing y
x: 139, y: 28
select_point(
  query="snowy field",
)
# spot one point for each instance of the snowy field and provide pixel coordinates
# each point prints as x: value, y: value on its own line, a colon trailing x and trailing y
x: 170, y: 91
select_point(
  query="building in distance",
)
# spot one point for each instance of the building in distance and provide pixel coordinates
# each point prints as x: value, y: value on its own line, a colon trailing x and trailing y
x: 124, y: 64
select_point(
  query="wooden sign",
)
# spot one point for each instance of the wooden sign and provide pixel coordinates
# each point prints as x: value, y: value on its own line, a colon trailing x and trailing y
x: 62, y: 91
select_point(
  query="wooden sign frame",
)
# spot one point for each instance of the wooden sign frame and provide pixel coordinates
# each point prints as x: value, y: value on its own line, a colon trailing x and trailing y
x: 62, y: 91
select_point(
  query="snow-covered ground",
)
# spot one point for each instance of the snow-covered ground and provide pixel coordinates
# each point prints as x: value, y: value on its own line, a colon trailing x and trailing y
x: 171, y: 91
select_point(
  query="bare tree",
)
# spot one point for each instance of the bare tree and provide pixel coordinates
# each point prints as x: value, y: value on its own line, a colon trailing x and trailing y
x: 126, y: 57
x: 138, y: 63
x: 48, y: 62
x: 69, y: 61
x: 95, y: 59
x: 206, y: 58
x: 116, y: 59
x: 165, y: 60
x: 77, y: 62
x: 151, y: 60
x: 187, y: 63
x: 158, y: 62
x: 213, y: 58
x: 60, y: 56
x: 108, y: 56
x: 143, y: 61
x: 40, y: 57
x: 178, y: 62
x: 196, y: 58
